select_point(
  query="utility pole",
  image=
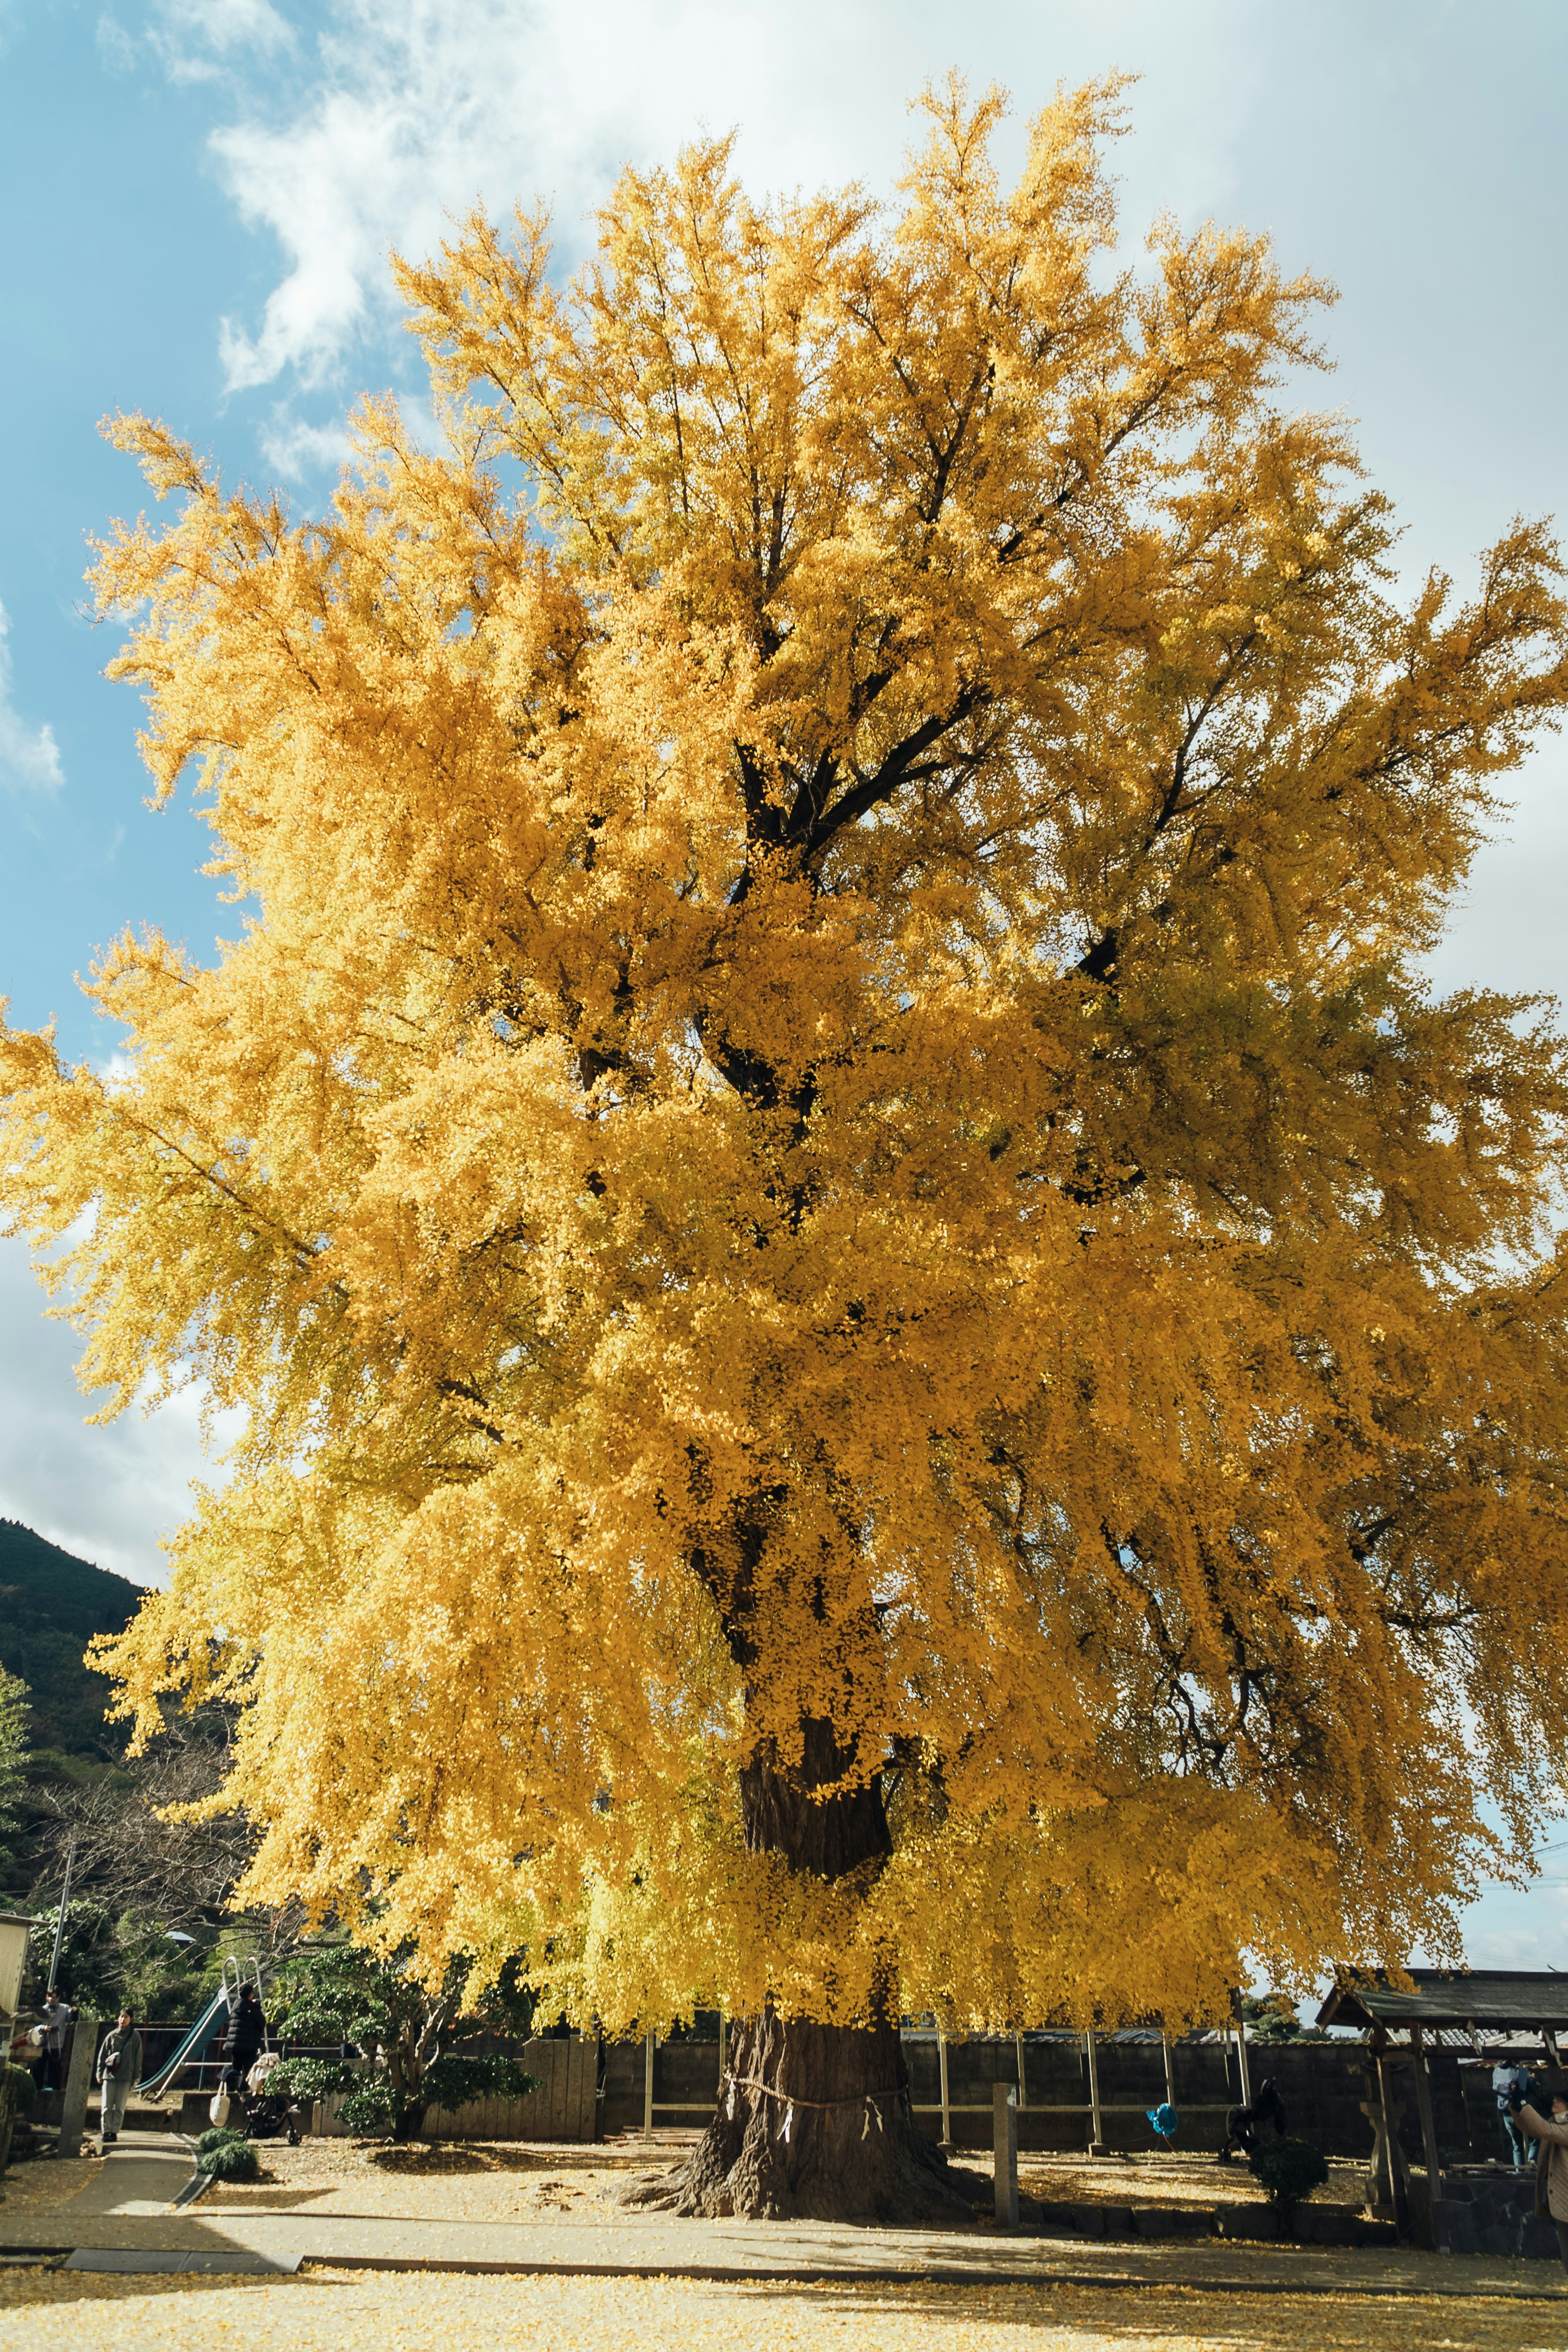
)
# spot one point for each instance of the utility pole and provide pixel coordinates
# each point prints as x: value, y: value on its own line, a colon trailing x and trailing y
x: 60, y: 1916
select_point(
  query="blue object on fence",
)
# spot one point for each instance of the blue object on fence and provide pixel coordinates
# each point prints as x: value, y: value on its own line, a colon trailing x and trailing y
x: 1164, y: 2120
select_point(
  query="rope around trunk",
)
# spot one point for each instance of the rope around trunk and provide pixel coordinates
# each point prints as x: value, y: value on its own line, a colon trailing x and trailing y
x: 866, y: 2099
x: 753, y: 2083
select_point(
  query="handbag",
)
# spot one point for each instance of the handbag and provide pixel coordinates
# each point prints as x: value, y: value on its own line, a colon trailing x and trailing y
x: 218, y: 2111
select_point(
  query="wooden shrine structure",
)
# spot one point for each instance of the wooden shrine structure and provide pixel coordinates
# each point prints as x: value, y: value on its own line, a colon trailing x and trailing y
x: 1400, y: 2025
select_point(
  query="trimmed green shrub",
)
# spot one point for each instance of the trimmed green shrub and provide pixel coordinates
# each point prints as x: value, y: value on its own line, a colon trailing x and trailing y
x: 236, y: 2159
x: 1289, y: 2170
x: 369, y: 2110
x: 375, y: 2104
x: 220, y: 2135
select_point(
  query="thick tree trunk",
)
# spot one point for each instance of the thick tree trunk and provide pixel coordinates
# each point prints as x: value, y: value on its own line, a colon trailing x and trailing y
x: 813, y: 2121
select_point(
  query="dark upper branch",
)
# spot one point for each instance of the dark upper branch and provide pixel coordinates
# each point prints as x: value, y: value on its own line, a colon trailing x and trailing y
x: 895, y: 770
x: 469, y: 1394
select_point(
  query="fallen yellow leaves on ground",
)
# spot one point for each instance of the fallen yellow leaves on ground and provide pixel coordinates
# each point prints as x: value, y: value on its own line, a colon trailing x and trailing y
x: 409, y: 2312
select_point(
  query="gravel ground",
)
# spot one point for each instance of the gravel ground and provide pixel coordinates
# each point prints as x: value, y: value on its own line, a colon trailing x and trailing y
x: 511, y: 2181
x: 432, y: 2312
x: 1161, y: 2177
x: 483, y: 2182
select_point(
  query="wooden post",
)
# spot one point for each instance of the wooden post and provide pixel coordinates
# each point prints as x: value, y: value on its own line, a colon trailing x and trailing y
x: 1550, y: 2039
x: 1240, y: 2029
x: 79, y: 2081
x: 1018, y: 2045
x: 1170, y: 2077
x: 648, y: 2089
x: 1097, y: 2138
x: 723, y: 2049
x: 942, y: 2073
x: 1424, y: 2109
x: 1004, y: 2142
x: 1398, y: 2189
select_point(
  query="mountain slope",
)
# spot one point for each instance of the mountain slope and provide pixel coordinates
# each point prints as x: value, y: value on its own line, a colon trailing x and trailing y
x: 51, y: 1604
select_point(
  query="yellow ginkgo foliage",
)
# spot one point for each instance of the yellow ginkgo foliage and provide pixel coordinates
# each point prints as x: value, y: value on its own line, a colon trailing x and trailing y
x: 891, y: 1357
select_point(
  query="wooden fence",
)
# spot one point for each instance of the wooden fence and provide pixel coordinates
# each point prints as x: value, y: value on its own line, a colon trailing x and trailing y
x: 563, y: 2107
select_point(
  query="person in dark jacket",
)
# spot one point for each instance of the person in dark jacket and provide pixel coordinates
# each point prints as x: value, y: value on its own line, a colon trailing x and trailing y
x: 1242, y: 2125
x: 244, y: 2042
x: 1508, y: 2076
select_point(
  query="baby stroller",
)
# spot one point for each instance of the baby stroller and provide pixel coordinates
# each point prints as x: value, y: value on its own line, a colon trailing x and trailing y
x: 270, y: 2115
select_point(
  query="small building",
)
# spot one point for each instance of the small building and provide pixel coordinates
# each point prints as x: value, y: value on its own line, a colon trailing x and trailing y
x: 1401, y: 2026
x: 1468, y: 2001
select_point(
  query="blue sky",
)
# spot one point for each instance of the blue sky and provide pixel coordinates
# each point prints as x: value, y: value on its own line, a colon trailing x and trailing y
x: 200, y: 195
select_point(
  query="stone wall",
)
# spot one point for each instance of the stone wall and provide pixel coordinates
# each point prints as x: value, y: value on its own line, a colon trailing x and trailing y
x: 1481, y: 2214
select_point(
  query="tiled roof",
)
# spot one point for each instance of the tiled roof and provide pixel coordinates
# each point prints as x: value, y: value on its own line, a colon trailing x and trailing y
x: 1497, y: 1997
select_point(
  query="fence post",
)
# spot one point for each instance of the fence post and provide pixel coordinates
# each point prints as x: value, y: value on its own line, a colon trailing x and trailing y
x: 79, y: 2081
x: 1170, y: 2077
x: 1239, y: 2022
x: 941, y: 2070
x: 1004, y: 2142
x: 1097, y: 2141
x: 723, y: 2049
x: 1018, y: 2042
x: 1428, y: 2131
x: 1398, y: 2178
x: 648, y: 2089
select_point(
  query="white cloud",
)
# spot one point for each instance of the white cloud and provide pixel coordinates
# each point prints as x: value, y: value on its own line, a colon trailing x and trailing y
x: 193, y: 35
x: 412, y: 108
x: 29, y: 756
x: 116, y: 48
x: 106, y: 1494
x: 295, y: 451
x: 1508, y: 929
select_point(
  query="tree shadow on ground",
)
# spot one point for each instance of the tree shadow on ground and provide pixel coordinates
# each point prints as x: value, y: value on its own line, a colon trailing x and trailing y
x: 1155, y: 2316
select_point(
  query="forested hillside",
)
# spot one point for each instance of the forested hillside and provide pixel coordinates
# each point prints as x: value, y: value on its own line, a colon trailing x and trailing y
x: 51, y: 1605
x: 135, y: 1875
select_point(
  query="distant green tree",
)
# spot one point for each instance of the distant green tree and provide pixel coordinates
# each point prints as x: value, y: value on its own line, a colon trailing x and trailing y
x: 1272, y: 2018
x: 13, y: 1752
x: 341, y: 1994
x: 91, y: 1970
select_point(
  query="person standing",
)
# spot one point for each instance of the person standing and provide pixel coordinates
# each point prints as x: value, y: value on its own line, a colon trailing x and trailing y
x: 1550, y: 2133
x: 54, y: 2021
x: 244, y: 2042
x: 118, y: 2068
x: 1510, y: 2077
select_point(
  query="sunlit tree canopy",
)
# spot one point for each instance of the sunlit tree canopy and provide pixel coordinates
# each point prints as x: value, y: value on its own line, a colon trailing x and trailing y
x: 890, y: 1355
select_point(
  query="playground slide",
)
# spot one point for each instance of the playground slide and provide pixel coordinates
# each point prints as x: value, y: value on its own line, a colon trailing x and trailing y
x: 222, y: 2004
x: 193, y: 2043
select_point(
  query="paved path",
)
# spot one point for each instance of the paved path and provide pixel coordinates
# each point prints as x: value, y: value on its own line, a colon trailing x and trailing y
x: 124, y: 2213
x: 139, y: 2177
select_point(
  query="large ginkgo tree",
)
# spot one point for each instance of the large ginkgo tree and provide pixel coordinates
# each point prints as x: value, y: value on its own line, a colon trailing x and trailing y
x: 889, y: 1356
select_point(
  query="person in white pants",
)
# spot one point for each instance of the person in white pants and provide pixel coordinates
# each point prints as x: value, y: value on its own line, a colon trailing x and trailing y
x: 118, y: 2067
